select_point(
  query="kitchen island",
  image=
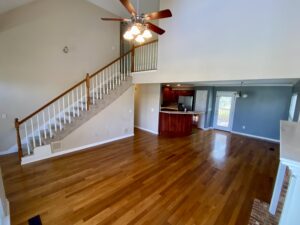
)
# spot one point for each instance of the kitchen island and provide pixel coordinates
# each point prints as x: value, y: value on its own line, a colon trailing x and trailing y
x: 176, y: 123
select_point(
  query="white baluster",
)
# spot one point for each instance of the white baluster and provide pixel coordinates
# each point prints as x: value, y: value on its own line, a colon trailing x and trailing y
x: 77, y: 100
x: 32, y: 133
x: 119, y: 71
x: 97, y: 87
x: 109, y: 78
x: 73, y: 104
x: 39, y: 131
x: 81, y: 94
x: 112, y: 76
x: 69, y: 108
x: 49, y: 119
x: 54, y: 114
x: 59, y: 113
x: 44, y: 121
x: 156, y: 54
x: 27, y: 140
x: 86, y: 102
x: 149, y: 58
x: 100, y: 85
x: 124, y: 62
x: 93, y: 90
x: 144, y: 57
x: 106, y: 80
x: 64, y: 110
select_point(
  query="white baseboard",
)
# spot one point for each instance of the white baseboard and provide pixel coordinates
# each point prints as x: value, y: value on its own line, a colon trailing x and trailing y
x: 33, y: 158
x: 12, y: 149
x: 144, y: 129
x: 257, y: 137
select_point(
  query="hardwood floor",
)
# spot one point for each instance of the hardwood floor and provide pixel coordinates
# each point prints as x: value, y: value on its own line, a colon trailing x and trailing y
x: 207, y: 178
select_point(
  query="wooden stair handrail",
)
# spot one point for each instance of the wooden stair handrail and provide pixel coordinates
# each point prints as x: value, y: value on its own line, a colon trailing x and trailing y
x: 52, y: 101
x: 108, y: 65
x: 148, y: 43
x: 81, y: 82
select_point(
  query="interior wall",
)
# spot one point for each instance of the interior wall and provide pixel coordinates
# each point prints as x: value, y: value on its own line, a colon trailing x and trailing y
x: 33, y: 67
x: 227, y: 40
x: 147, y: 106
x: 115, y: 121
x: 296, y: 89
x: 261, y: 112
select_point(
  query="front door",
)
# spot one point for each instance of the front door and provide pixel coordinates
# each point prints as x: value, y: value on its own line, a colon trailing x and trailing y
x: 224, y: 110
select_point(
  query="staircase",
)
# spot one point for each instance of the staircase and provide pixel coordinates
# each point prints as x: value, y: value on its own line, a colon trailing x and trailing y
x: 65, y: 113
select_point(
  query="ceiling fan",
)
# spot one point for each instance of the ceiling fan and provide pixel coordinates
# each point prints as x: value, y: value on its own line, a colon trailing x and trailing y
x: 140, y: 25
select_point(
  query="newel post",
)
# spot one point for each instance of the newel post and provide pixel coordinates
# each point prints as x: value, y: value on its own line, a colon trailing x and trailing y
x: 19, y: 144
x: 88, y: 99
x: 132, y: 59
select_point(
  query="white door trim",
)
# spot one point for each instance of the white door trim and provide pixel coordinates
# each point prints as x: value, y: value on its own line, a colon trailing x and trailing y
x: 232, y: 111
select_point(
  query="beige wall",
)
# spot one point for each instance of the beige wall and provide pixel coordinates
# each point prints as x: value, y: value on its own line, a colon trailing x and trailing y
x: 228, y: 40
x: 147, y: 105
x: 115, y: 121
x: 33, y: 68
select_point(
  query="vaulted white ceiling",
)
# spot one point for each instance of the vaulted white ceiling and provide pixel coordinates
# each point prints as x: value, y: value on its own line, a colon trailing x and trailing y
x: 6, y: 5
x: 113, y: 6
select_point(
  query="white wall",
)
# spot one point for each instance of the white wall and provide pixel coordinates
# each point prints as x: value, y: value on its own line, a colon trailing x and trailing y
x: 33, y: 68
x: 211, y: 40
x: 147, y: 105
x: 115, y: 121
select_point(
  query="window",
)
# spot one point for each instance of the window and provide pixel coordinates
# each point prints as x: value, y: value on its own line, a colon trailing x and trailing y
x: 293, y: 107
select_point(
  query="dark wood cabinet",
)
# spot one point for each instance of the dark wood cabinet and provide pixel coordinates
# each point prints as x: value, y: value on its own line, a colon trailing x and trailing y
x: 175, y: 124
x: 171, y: 96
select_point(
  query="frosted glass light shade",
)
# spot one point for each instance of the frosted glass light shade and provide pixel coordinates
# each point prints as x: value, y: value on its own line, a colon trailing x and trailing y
x: 128, y: 35
x: 147, y: 34
x: 135, y: 30
x: 140, y: 39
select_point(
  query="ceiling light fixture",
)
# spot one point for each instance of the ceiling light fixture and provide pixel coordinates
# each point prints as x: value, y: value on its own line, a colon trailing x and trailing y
x: 239, y: 94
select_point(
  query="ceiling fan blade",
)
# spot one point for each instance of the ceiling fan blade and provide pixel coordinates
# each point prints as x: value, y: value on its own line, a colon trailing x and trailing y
x: 158, y: 15
x: 130, y: 8
x: 155, y: 28
x: 115, y: 19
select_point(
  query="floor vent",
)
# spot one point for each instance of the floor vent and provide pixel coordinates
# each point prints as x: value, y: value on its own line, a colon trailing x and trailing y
x: 56, y: 146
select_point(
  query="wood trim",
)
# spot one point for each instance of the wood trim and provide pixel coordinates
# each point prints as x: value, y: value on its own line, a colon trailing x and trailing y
x: 148, y: 43
x: 108, y: 65
x: 17, y: 126
x: 132, y: 58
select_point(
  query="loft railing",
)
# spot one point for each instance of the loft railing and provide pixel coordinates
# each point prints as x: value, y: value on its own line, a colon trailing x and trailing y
x: 42, y: 124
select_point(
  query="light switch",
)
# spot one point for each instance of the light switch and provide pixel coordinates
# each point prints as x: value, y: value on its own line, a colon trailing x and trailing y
x: 3, y: 116
x: 152, y: 110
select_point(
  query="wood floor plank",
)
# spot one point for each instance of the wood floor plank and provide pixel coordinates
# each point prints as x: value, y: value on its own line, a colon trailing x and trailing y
x: 209, y: 178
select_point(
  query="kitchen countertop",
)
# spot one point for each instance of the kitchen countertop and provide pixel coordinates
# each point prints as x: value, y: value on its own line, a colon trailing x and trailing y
x: 182, y: 112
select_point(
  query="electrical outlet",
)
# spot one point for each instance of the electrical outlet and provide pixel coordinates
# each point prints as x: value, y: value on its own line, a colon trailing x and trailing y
x: 3, y: 116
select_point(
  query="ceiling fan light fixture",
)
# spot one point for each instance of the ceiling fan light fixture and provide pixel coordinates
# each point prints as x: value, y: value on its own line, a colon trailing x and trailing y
x: 135, y: 30
x: 147, y: 34
x: 128, y: 35
x: 140, y: 39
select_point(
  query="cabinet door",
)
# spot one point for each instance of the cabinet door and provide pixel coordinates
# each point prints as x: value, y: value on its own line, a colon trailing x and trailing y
x: 201, y: 100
